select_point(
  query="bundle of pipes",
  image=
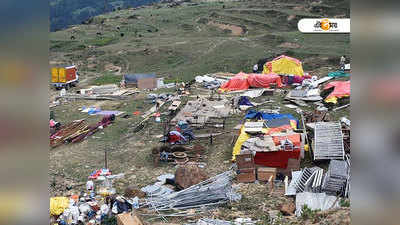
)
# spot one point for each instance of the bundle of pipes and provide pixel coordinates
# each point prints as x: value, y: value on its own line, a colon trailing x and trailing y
x: 214, y: 191
x: 77, y: 131
x: 67, y: 132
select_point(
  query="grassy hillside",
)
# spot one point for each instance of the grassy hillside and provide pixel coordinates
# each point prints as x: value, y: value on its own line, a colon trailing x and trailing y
x: 199, y: 37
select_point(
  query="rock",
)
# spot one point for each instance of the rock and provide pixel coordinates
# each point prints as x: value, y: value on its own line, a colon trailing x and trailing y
x: 131, y: 192
x: 288, y: 209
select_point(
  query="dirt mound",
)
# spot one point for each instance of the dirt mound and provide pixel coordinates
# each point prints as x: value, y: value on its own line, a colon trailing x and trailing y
x: 289, y: 45
x: 236, y: 30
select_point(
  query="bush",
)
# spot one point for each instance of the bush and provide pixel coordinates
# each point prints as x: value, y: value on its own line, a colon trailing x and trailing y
x: 308, y: 213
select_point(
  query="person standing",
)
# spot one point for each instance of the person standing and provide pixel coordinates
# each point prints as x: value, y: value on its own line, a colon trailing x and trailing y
x: 342, y: 62
x: 255, y: 68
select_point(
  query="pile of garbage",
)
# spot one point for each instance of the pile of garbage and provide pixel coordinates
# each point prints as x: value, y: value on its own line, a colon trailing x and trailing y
x: 93, y: 205
x: 209, y: 82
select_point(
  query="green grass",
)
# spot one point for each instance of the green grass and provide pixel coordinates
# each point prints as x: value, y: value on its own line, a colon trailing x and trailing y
x: 107, y: 79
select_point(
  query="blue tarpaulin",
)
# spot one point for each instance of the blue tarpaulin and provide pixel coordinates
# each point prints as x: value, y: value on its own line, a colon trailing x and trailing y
x: 338, y: 74
x: 245, y: 101
x: 252, y: 114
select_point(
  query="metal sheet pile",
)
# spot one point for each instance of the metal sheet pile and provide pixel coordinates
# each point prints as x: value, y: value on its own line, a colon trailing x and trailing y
x: 328, y: 141
x: 309, y: 180
x: 214, y: 191
x: 335, y: 181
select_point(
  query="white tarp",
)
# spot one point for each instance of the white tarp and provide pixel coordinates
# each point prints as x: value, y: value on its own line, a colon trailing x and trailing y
x: 254, y: 93
x: 315, y: 201
x: 205, y: 78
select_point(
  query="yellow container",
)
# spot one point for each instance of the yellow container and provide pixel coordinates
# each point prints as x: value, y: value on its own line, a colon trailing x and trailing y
x: 54, y: 75
x: 62, y: 75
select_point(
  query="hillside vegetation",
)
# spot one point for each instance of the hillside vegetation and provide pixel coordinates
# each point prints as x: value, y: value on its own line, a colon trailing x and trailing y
x: 67, y: 12
x: 198, y: 38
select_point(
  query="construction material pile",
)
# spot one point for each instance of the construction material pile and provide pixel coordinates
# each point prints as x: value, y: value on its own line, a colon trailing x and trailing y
x: 214, y: 191
x: 328, y: 141
x: 336, y: 177
x: 78, y: 130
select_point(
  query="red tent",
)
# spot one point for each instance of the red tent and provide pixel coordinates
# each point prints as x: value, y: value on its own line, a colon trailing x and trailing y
x: 264, y: 80
x: 243, y: 81
x: 238, y: 82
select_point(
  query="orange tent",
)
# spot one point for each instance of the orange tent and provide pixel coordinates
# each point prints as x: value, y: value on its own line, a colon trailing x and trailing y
x: 341, y: 89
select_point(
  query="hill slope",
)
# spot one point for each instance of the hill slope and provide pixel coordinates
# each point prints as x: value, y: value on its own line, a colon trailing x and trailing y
x: 199, y: 38
x: 67, y: 12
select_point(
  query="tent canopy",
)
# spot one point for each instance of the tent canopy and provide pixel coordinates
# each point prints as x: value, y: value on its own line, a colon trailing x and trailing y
x: 284, y: 65
x: 341, y: 89
x: 238, y: 82
x: 133, y: 78
x: 243, y: 81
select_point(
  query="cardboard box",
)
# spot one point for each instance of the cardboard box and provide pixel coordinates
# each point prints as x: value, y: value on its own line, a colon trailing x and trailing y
x: 128, y: 219
x: 264, y: 173
x: 244, y: 161
x: 246, y: 175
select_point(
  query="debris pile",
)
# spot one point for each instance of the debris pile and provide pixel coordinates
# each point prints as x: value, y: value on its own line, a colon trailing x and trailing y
x: 214, y: 191
x: 199, y: 112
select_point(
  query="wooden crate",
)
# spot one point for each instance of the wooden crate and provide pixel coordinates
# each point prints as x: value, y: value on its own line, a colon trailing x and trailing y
x: 264, y: 173
x: 128, y: 219
x: 244, y: 161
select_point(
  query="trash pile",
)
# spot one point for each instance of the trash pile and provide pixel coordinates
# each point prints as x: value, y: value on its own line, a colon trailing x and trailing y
x: 238, y: 221
x: 78, y: 130
x: 181, y: 134
x: 199, y: 112
x: 92, y: 206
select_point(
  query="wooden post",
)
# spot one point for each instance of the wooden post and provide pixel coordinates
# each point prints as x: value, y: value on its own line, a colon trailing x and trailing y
x: 271, y: 182
x: 105, y: 159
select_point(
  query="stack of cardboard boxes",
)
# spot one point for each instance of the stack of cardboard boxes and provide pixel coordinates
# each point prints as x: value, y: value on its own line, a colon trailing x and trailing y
x: 246, y: 167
